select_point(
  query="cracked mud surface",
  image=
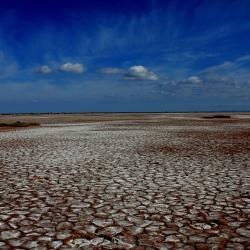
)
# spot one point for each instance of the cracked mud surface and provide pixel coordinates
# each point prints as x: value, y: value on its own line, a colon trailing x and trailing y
x: 126, y: 185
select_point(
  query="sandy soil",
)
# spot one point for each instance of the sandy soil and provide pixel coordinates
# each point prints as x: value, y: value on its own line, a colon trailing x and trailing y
x: 130, y: 181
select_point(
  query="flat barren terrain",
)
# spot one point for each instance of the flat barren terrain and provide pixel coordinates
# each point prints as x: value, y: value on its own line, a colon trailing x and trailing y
x: 125, y: 181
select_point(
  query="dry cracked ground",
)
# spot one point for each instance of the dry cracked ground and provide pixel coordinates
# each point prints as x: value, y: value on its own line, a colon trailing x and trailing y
x: 155, y: 183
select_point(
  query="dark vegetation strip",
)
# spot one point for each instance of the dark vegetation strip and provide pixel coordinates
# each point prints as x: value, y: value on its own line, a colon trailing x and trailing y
x: 19, y: 124
x: 217, y: 117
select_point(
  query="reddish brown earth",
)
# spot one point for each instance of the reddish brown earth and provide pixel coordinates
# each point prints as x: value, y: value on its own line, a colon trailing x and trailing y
x: 7, y: 128
x: 125, y: 181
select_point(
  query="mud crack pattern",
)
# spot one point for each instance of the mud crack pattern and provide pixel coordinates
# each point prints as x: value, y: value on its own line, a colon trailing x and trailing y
x: 125, y: 186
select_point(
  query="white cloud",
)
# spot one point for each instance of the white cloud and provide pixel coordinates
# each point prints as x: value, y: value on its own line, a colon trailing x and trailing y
x: 45, y: 69
x: 245, y: 58
x: 227, y: 71
x: 224, y: 67
x: 76, y: 68
x: 194, y: 80
x: 139, y: 72
x: 111, y: 71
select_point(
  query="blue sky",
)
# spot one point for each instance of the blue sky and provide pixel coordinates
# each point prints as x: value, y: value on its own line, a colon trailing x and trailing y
x: 124, y: 55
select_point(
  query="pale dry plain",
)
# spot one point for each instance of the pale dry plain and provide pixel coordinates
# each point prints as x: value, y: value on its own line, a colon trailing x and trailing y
x: 125, y: 181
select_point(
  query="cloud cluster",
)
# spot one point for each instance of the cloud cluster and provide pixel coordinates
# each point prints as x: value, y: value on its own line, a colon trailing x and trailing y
x: 186, y: 86
x: 227, y: 79
x: 136, y: 72
x: 111, y: 71
x: 139, y: 72
x: 194, y: 80
x: 76, y: 68
x: 45, y: 69
x: 230, y: 78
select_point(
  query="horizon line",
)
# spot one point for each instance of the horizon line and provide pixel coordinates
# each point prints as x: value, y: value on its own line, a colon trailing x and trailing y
x: 124, y: 112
